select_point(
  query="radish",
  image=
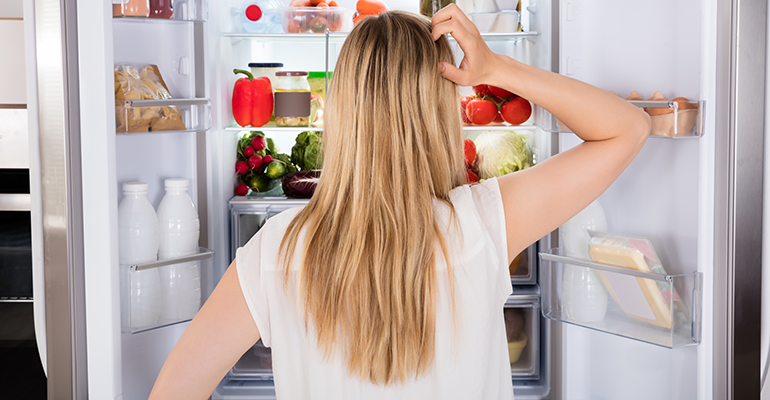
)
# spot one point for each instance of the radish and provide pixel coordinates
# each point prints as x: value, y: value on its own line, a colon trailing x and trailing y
x: 241, y: 189
x: 255, y: 161
x: 248, y: 151
x: 241, y: 167
x: 259, y: 143
x: 267, y: 160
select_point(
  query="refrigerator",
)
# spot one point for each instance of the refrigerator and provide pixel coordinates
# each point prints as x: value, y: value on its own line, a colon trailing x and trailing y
x: 697, y: 195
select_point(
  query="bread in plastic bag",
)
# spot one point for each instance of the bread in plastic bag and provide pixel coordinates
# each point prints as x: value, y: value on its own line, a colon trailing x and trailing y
x: 143, y: 83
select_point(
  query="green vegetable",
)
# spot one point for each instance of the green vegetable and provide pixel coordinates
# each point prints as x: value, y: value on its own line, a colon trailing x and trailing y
x: 286, y: 160
x: 307, y: 152
x: 261, y: 183
x: 501, y: 152
x: 275, y: 170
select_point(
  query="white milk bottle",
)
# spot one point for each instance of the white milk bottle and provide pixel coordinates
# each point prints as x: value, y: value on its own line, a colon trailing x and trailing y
x: 138, y: 243
x: 584, y: 297
x: 179, y: 231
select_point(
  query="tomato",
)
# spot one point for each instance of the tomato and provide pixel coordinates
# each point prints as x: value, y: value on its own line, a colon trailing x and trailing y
x: 481, y: 112
x: 499, y: 92
x: 470, y: 152
x: 335, y: 22
x: 498, y: 118
x: 318, y: 24
x: 471, y: 177
x: 293, y: 26
x: 482, y: 90
x: 463, y: 104
x: 516, y: 111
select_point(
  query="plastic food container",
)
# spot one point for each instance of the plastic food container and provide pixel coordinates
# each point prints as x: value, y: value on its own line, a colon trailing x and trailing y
x: 131, y: 8
x: 292, y: 98
x: 316, y: 19
x: 505, y: 21
x: 516, y: 348
x: 317, y: 81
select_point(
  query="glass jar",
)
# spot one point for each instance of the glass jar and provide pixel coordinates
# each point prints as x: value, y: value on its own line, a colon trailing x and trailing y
x: 317, y: 81
x: 131, y: 8
x: 265, y: 69
x: 292, y: 98
x: 161, y: 9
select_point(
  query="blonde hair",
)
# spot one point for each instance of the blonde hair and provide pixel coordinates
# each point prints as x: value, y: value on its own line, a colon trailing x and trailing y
x: 392, y: 145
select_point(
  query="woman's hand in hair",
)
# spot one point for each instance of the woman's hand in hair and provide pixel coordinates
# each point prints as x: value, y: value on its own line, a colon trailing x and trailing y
x: 479, y: 63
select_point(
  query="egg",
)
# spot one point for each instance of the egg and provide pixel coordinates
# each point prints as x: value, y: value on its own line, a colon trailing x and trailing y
x: 658, y: 96
x: 634, y: 96
x: 684, y: 103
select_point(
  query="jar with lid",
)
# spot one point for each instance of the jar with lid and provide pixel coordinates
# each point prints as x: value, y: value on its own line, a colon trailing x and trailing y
x: 265, y: 69
x: 161, y: 9
x: 292, y: 98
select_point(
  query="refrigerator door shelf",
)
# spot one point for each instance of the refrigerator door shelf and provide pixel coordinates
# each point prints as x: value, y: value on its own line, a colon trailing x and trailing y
x: 167, y: 115
x: 682, y: 121
x: 142, y: 289
x: 659, y: 309
x: 183, y: 11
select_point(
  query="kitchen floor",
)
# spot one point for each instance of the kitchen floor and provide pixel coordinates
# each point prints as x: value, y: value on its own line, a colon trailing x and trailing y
x: 21, y: 373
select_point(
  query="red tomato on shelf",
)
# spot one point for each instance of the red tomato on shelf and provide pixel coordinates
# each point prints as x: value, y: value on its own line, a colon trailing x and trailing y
x: 481, y: 112
x: 470, y: 152
x: 516, y: 111
x: 471, y: 177
x: 498, y: 119
x: 482, y: 90
x: 463, y: 104
x: 500, y: 92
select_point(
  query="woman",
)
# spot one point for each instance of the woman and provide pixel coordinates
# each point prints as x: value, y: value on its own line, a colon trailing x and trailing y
x: 391, y: 282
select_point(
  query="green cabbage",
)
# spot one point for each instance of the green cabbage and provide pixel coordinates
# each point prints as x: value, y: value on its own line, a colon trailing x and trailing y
x: 307, y: 152
x: 501, y: 152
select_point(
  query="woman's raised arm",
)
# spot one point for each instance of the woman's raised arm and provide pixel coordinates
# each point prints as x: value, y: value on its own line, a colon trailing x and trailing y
x: 540, y: 199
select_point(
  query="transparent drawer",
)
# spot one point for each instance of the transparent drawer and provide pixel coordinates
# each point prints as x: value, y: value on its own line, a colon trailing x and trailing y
x: 248, y: 214
x: 654, y: 308
x: 255, y: 364
x: 168, y: 115
x: 164, y: 292
x: 182, y: 10
x: 522, y: 329
x: 523, y: 268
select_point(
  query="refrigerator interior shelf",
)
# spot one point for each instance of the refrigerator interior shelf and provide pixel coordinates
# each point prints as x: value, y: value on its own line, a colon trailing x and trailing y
x: 341, y: 36
x: 184, y: 11
x: 682, y: 121
x: 659, y: 309
x: 271, y: 128
x: 146, y: 300
x: 166, y: 115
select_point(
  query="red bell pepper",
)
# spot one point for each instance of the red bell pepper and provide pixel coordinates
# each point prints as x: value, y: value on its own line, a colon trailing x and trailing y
x: 252, y: 99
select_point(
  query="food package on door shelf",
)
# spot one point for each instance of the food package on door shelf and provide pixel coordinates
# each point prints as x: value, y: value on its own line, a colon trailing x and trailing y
x: 644, y: 299
x: 666, y: 122
x: 134, y: 82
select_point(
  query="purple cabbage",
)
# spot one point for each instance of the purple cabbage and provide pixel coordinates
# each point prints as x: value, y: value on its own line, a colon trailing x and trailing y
x: 300, y: 184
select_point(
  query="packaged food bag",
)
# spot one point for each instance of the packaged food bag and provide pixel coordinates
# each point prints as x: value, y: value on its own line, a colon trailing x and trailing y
x: 143, y: 83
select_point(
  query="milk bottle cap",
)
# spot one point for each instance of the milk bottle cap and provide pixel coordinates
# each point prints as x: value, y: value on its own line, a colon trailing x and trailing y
x: 135, y: 187
x: 177, y: 183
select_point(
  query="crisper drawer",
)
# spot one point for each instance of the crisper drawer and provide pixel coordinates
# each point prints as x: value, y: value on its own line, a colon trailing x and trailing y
x: 248, y: 214
x: 522, y: 329
x: 523, y: 268
x: 255, y: 364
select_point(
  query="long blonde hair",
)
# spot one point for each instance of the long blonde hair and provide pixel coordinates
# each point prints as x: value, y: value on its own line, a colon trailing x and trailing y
x: 392, y: 145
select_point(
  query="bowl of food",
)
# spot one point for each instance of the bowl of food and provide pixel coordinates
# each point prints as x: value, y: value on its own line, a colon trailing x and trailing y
x: 517, y: 347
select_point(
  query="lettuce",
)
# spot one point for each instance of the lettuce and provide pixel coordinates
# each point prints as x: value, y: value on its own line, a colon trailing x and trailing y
x: 501, y: 152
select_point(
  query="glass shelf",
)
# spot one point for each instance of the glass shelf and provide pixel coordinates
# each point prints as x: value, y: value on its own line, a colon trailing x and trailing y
x: 184, y: 11
x: 168, y: 115
x: 341, y: 36
x: 145, y: 305
x: 271, y: 128
x: 673, y: 302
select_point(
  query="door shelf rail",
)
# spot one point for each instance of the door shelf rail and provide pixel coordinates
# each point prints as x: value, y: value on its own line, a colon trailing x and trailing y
x: 146, y: 299
x: 184, y: 11
x: 680, y: 121
x: 659, y: 309
x: 166, y: 115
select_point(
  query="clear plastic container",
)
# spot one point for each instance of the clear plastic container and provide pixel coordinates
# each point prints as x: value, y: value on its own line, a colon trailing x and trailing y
x: 131, y: 8
x: 265, y: 69
x: 292, y: 98
x: 316, y: 19
x: 261, y: 16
